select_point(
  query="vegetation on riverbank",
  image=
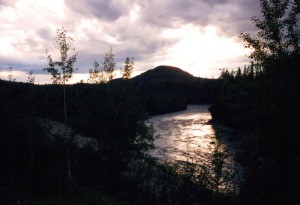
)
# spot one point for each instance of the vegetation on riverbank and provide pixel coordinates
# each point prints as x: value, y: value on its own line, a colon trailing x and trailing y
x: 263, y: 99
x: 35, y: 160
x: 40, y: 167
x: 43, y: 166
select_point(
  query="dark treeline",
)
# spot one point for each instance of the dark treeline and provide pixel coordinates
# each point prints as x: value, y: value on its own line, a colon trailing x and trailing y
x: 263, y: 100
x: 38, y: 164
x: 33, y: 160
x: 167, y: 89
x: 99, y: 151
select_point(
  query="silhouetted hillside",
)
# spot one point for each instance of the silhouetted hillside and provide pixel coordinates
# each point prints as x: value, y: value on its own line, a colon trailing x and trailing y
x: 167, y: 89
x: 162, y: 73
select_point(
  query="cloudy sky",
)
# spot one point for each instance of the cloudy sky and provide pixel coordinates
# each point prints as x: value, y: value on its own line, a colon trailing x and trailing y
x: 199, y: 36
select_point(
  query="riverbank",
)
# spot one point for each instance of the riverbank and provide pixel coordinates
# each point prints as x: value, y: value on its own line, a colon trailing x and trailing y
x: 186, y: 138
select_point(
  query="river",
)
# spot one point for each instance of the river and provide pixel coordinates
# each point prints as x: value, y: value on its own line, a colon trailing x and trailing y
x: 186, y: 136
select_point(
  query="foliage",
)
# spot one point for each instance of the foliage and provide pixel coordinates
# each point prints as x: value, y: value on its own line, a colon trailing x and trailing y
x: 36, y: 148
x: 31, y: 77
x: 117, y: 167
x: 96, y: 74
x: 128, y: 68
x: 152, y: 182
x: 180, y: 182
x: 278, y: 36
x: 264, y: 99
x: 11, y: 77
x: 109, y: 65
x: 66, y: 64
x: 105, y: 73
x: 64, y: 44
x: 218, y: 161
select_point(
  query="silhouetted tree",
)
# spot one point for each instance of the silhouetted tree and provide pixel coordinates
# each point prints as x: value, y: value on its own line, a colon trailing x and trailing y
x: 61, y: 71
x: 109, y: 65
x: 11, y: 77
x: 96, y: 74
x: 105, y: 73
x: 263, y: 101
x: 278, y: 36
x: 31, y: 77
x: 128, y: 68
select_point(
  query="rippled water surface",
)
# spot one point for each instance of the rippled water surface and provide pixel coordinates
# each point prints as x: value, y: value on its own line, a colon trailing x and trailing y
x: 184, y: 136
x: 187, y: 136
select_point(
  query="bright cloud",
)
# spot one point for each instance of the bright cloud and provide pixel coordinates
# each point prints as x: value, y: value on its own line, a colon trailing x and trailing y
x: 202, y: 51
x: 198, y: 36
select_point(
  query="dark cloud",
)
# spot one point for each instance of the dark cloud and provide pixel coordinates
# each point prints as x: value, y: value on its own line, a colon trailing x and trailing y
x: 217, y: 2
x: 133, y: 28
x: 20, y: 65
x: 7, y: 2
x: 230, y: 15
x: 103, y: 9
x: 44, y: 33
x: 141, y: 39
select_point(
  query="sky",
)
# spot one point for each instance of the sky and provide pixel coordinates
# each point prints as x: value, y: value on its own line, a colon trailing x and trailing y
x: 198, y: 36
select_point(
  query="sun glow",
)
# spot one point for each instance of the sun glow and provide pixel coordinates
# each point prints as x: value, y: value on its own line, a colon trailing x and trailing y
x: 134, y: 13
x: 202, y: 52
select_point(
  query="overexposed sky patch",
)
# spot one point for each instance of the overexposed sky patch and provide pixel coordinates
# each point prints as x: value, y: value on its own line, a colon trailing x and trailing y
x: 203, y: 52
x: 198, y: 36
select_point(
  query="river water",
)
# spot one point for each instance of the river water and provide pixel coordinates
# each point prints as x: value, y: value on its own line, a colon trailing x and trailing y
x: 184, y: 135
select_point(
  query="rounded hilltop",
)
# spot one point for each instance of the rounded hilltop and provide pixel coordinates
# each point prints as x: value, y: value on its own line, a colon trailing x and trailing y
x: 164, y: 72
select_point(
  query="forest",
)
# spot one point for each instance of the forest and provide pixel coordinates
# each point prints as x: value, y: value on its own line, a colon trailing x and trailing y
x: 111, y: 168
x: 263, y: 100
x: 99, y: 158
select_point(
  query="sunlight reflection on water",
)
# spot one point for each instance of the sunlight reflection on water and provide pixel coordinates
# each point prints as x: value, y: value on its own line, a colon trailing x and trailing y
x: 184, y: 136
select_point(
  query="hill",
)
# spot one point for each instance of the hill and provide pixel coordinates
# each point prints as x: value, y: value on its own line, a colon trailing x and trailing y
x: 163, y: 73
x: 167, y: 89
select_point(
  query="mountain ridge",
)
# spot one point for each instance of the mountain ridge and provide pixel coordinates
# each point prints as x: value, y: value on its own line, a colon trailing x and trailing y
x: 164, y: 72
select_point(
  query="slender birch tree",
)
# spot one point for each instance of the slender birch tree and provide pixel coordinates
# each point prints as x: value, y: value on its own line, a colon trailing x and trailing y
x: 109, y: 65
x: 61, y: 71
x: 128, y: 68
